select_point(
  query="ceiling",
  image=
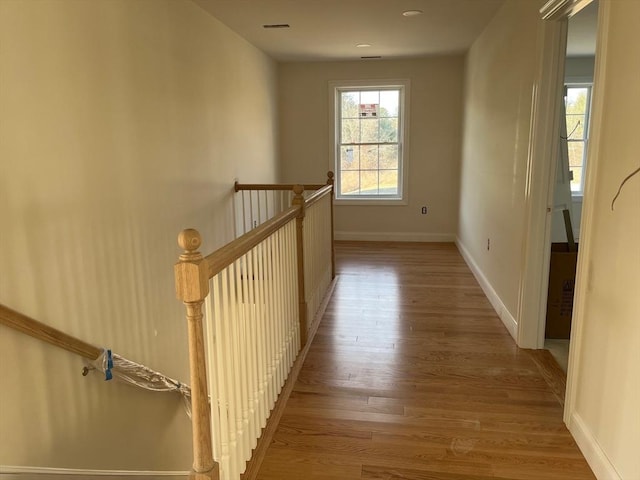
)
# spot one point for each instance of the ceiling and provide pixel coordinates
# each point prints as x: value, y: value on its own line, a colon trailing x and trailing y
x: 331, y: 29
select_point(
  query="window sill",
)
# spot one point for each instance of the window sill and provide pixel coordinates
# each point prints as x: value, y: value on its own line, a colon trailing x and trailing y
x: 371, y: 202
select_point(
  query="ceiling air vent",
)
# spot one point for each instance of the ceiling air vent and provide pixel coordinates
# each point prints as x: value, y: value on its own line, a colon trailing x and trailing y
x: 276, y: 25
x: 372, y: 57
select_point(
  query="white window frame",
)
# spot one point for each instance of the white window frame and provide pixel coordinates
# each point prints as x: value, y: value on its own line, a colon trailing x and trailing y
x: 578, y: 194
x: 335, y: 88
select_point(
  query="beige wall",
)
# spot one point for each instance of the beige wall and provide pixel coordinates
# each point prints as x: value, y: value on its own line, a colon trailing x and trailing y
x: 434, y: 138
x: 604, y: 416
x: 607, y: 403
x: 579, y: 69
x: 498, y: 96
x: 122, y: 123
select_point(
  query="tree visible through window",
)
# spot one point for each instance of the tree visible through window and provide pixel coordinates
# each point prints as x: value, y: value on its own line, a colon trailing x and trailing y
x: 369, y: 142
x: 577, y: 114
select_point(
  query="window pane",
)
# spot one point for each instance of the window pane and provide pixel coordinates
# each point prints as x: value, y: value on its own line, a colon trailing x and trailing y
x: 389, y: 182
x: 369, y: 158
x: 389, y: 156
x: 575, y: 126
x: 350, y: 182
x: 389, y: 130
x: 389, y: 100
x: 577, y: 99
x: 369, y: 130
x: 350, y: 102
x: 369, y: 182
x: 576, y: 153
x: 576, y: 183
x: 368, y: 148
x: 350, y: 131
x: 350, y: 158
x: 370, y: 96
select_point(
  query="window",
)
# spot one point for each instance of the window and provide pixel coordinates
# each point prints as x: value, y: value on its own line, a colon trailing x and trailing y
x: 577, y: 103
x: 369, y: 141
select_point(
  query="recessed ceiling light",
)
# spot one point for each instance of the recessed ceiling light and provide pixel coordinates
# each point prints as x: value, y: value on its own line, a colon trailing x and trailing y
x: 412, y: 13
x: 363, y: 45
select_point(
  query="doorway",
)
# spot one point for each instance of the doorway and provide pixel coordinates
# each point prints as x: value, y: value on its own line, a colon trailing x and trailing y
x: 568, y: 188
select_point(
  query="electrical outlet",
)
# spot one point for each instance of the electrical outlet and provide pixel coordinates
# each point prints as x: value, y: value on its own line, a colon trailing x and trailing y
x: 488, y: 244
x: 424, y: 210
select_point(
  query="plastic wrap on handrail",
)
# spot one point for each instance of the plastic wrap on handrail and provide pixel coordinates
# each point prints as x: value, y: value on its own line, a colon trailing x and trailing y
x: 113, y: 366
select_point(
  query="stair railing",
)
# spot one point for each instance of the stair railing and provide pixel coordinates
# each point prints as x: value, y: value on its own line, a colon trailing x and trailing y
x: 253, y: 293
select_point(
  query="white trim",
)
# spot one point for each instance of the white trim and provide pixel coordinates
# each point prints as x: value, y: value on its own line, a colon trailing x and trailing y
x: 558, y: 9
x: 591, y: 449
x: 496, y: 302
x: 586, y: 219
x: 543, y: 145
x: 394, y: 236
x: 404, y: 143
x: 11, y: 469
x: 372, y: 201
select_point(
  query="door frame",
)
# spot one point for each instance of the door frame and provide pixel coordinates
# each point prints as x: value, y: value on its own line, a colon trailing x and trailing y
x: 541, y: 178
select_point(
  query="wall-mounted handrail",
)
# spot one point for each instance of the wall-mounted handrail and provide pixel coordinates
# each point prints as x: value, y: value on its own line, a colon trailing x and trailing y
x: 36, y: 329
x: 111, y: 364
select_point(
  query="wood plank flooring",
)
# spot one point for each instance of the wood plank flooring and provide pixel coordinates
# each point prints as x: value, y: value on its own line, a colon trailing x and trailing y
x: 412, y: 376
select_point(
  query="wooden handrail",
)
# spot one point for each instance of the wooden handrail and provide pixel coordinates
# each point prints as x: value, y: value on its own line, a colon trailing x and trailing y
x: 36, y: 329
x: 276, y: 186
x: 317, y: 195
x: 193, y: 272
x: 225, y: 256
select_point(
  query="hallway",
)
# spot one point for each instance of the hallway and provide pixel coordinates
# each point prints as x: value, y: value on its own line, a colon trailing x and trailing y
x: 411, y: 375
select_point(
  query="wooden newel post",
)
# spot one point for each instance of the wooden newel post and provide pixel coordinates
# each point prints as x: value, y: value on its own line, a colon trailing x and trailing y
x: 331, y: 181
x: 192, y: 287
x: 298, y: 199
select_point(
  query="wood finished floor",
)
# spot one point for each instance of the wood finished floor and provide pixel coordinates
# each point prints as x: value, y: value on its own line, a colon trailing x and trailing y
x: 412, y: 376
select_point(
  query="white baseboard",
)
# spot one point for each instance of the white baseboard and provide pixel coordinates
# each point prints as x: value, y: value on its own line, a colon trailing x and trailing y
x: 602, y: 467
x: 394, y: 236
x: 507, y: 318
x: 10, y: 472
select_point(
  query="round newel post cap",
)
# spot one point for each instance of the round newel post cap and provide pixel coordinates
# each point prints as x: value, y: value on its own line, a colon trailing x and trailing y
x: 330, y: 176
x: 189, y: 240
x: 298, y: 189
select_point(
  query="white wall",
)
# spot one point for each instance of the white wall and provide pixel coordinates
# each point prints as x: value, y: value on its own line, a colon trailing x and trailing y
x: 579, y: 69
x: 434, y: 138
x: 500, y: 70
x: 121, y: 124
x: 603, y: 412
x: 605, y: 415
